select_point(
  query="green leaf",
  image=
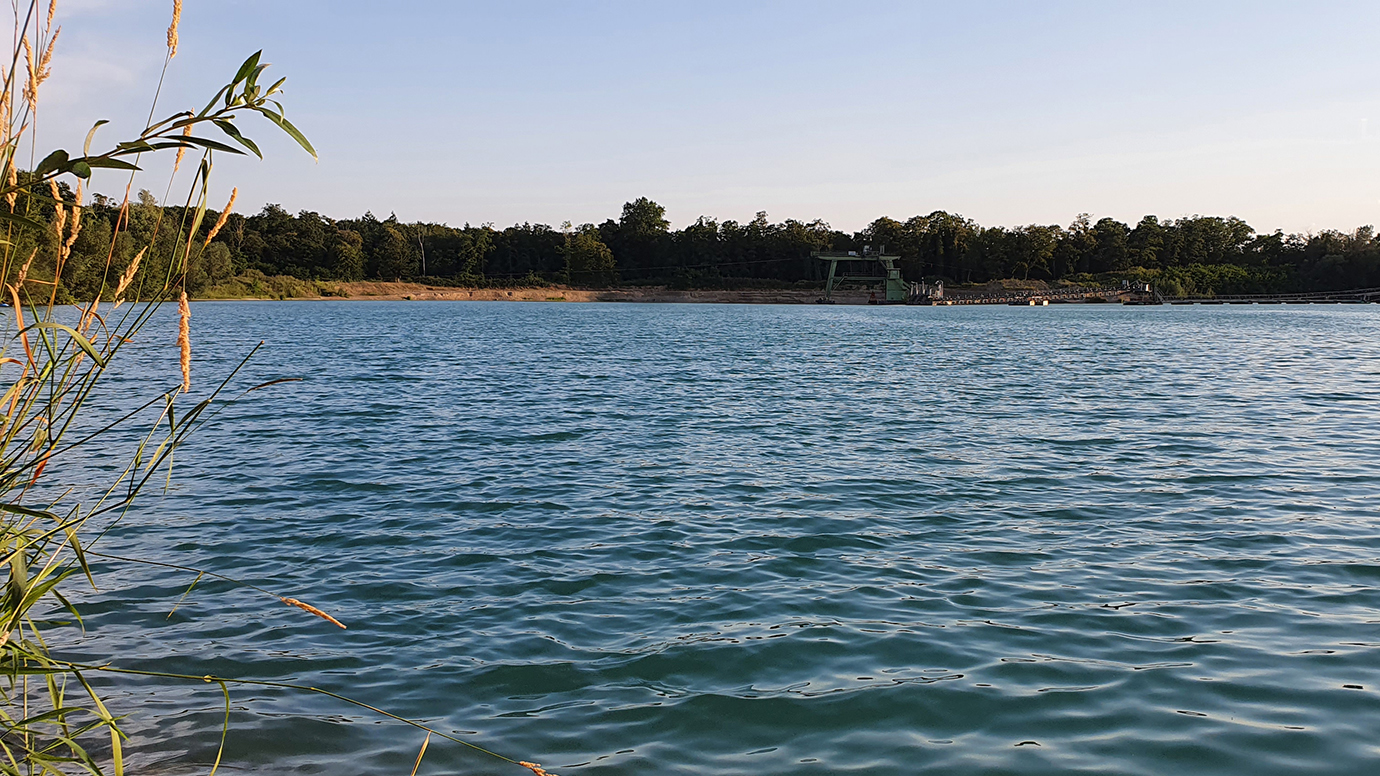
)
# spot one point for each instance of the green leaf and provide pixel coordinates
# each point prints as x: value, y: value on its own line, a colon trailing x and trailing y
x: 254, y: 76
x: 292, y: 131
x: 214, y: 145
x: 214, y: 99
x: 234, y: 132
x: 57, y: 713
x: 75, y: 543
x: 108, y: 163
x: 35, y: 593
x: 86, y: 149
x: 276, y: 382
x: 21, y: 220
x: 57, y: 160
x: 82, y: 342
x: 19, y: 577
x: 205, y: 173
x: 276, y: 86
x: 72, y: 610
x: 132, y: 147
x: 155, y: 128
x: 247, y: 67
x: 81, y: 169
x: 18, y: 510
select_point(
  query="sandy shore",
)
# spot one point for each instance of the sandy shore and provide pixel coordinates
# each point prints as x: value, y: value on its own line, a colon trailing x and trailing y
x: 418, y: 292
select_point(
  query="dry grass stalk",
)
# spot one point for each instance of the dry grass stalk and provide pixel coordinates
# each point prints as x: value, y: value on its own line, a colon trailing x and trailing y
x: 90, y: 317
x: 19, y: 324
x: 128, y: 276
x: 417, y: 764
x: 38, y: 472
x: 313, y: 610
x: 536, y: 768
x: 172, y: 28
x: 184, y: 339
x: 224, y: 214
x: 52, y: 11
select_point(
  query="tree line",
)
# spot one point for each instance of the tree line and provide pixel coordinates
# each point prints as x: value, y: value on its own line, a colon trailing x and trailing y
x: 1192, y: 255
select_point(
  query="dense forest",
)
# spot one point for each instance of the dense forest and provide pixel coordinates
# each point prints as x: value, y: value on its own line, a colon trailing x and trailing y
x: 1194, y: 255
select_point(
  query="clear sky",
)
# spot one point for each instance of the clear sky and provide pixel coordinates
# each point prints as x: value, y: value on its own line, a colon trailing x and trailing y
x: 545, y: 111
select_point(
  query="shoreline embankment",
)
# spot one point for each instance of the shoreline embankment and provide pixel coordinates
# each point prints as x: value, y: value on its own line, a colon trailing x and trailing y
x: 418, y: 292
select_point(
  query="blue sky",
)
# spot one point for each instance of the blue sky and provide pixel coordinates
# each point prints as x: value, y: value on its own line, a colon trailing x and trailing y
x: 1006, y: 112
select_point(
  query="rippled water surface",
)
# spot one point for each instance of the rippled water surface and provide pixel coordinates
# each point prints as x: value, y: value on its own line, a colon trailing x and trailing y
x: 622, y: 539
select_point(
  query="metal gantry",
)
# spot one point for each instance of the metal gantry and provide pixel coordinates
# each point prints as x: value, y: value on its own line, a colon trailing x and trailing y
x: 868, y: 267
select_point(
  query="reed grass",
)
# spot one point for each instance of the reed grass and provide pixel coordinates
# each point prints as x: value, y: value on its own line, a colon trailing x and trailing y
x: 52, y: 720
x: 50, y: 715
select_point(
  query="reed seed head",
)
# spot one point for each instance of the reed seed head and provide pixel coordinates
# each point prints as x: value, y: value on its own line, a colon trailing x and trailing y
x: 128, y: 276
x: 5, y: 103
x: 182, y: 151
x: 60, y: 212
x: 309, y: 607
x: 535, y: 768
x: 172, y: 28
x: 45, y: 62
x: 184, y: 341
x: 38, y: 70
x: 24, y: 270
x: 52, y: 11
x: 224, y: 214
x: 76, y: 225
x: 30, y: 88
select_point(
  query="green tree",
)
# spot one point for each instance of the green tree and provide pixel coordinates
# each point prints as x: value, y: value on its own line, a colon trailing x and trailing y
x: 475, y: 245
x: 587, y: 259
x: 942, y: 244
x: 395, y: 258
x: 1033, y: 249
x: 641, y: 241
x: 1112, y: 250
x: 643, y: 218
x: 347, y: 256
x: 1077, y: 247
x: 1145, y: 244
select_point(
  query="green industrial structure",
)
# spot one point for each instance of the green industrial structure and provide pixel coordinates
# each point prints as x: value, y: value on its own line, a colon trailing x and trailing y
x: 867, y: 267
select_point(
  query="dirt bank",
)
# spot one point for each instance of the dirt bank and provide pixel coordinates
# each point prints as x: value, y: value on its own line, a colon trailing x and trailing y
x: 422, y: 293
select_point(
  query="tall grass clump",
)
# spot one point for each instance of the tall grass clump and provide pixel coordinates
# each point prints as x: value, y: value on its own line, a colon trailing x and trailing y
x: 53, y: 357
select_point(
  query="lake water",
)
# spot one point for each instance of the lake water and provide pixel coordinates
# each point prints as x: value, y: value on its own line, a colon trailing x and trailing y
x: 627, y: 539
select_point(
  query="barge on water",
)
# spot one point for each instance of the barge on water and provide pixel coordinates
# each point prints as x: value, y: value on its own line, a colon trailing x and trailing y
x: 1142, y: 294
